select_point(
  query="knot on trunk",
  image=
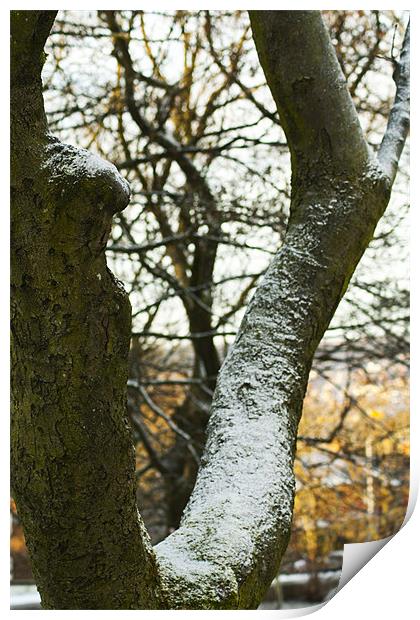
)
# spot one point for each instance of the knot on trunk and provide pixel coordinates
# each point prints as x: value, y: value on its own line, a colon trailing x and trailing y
x: 84, y: 193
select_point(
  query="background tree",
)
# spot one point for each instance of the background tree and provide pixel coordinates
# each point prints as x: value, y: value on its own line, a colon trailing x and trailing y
x: 369, y: 193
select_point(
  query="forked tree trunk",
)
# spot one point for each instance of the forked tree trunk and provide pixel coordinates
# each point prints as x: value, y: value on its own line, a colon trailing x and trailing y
x: 73, y: 461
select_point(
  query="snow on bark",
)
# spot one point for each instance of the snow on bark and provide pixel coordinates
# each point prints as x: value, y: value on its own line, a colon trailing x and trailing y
x: 399, y: 118
x: 70, y: 166
x: 236, y: 525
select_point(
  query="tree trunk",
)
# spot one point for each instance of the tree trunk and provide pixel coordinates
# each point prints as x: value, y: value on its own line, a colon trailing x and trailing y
x: 72, y: 455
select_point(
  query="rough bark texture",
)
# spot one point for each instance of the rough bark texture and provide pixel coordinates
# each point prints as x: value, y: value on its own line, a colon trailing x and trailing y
x: 73, y: 460
x: 237, y: 523
x: 72, y: 454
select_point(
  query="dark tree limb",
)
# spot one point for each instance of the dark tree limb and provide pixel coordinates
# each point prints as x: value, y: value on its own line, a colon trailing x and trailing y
x: 72, y: 453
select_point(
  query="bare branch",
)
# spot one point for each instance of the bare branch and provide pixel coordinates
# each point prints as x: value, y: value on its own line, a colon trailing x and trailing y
x: 399, y: 118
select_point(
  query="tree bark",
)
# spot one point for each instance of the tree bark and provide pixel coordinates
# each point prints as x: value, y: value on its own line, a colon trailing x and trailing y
x: 237, y: 523
x: 72, y: 455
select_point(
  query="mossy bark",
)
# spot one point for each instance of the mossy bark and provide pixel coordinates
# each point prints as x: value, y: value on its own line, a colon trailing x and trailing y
x: 72, y: 453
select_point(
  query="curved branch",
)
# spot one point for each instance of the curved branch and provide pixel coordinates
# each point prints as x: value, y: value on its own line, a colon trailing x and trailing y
x: 236, y: 525
x: 314, y: 104
x: 399, y: 119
